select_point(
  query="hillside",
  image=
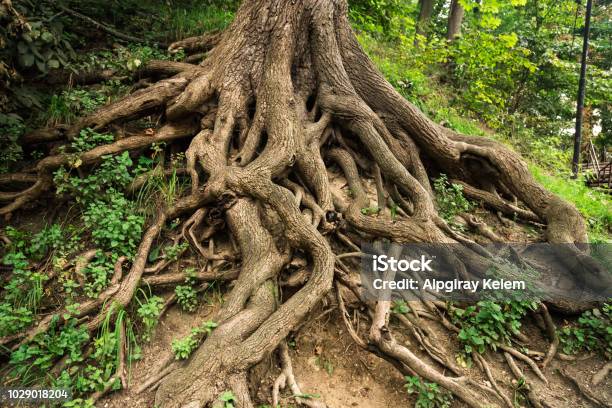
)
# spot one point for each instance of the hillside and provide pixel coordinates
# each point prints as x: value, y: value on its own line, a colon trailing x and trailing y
x: 191, y: 193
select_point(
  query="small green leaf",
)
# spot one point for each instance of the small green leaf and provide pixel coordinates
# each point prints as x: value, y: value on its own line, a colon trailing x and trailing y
x: 154, y: 254
x: 27, y: 60
x: 47, y: 37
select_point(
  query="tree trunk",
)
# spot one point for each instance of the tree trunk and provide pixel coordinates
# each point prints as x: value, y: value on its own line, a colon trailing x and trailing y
x: 425, y: 13
x: 285, y: 97
x: 455, y: 18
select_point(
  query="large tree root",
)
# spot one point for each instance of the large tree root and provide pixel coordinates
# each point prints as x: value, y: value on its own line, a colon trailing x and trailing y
x: 285, y: 95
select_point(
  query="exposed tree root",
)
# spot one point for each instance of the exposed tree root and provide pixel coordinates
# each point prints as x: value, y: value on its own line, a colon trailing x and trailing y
x: 195, y: 44
x: 284, y: 101
x: 583, y: 390
x: 551, y: 331
x: 601, y: 375
x: 497, y: 203
x: 519, y: 376
x: 483, y: 363
x: 287, y: 378
x: 517, y: 354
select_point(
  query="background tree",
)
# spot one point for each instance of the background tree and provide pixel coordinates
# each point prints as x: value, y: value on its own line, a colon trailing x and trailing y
x: 426, y: 8
x: 455, y: 18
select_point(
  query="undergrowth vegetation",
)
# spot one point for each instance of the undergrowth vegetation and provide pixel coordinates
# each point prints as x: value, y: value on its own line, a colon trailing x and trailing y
x: 428, y: 395
x: 487, y: 324
x: 450, y: 199
x: 593, y: 332
x: 110, y: 221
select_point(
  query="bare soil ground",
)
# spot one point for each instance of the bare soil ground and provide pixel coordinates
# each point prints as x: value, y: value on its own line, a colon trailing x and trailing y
x: 326, y: 362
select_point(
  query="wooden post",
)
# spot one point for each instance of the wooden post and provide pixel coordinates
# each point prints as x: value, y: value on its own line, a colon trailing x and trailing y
x: 581, y: 90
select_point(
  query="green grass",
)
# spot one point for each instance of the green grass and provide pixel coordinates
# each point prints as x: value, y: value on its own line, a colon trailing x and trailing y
x: 189, y: 22
x: 399, y: 69
x: 406, y: 74
x: 454, y: 120
x: 595, y: 205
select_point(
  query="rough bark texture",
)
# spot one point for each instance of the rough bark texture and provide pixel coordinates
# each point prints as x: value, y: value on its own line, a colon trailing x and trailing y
x: 426, y: 8
x: 455, y: 18
x: 285, y: 97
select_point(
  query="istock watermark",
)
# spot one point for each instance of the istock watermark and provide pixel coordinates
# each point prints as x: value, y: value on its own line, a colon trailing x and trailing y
x: 382, y: 263
x: 499, y: 271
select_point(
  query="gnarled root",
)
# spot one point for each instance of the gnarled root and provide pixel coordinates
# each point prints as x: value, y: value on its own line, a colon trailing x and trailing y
x: 288, y: 378
x: 285, y: 105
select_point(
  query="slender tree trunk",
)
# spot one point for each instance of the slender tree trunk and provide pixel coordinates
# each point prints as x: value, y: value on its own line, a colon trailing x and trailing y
x: 581, y: 91
x: 455, y: 18
x: 425, y: 12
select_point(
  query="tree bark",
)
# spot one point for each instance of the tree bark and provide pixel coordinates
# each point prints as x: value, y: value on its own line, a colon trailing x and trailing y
x: 424, y: 19
x: 455, y: 18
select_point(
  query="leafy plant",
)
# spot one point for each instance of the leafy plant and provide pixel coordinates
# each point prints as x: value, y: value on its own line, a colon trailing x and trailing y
x: 110, y: 217
x: 33, y: 37
x: 450, y: 199
x: 228, y: 398
x: 13, y: 319
x: 149, y: 311
x: 183, y: 348
x: 593, y: 332
x: 32, y: 360
x: 385, y: 18
x: 172, y: 252
x: 488, y: 323
x: 114, y: 225
x: 88, y: 138
x: 428, y: 395
x: 96, y: 274
x: 186, y: 295
x: 112, y: 176
x: 487, y: 66
x: 49, y: 238
x: 400, y: 307
x: 97, y: 372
